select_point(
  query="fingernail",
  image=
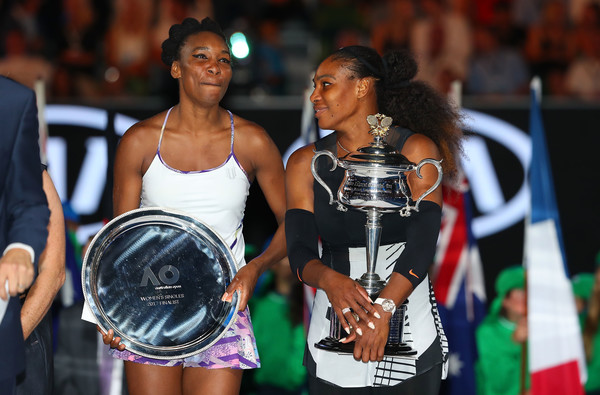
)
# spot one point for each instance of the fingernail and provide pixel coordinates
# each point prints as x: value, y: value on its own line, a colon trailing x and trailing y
x: 371, y: 325
x: 342, y: 340
x: 376, y: 314
x: 225, y: 296
x: 347, y: 329
x: 359, y: 331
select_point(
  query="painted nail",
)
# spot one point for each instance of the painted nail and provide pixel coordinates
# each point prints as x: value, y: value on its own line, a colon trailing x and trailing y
x: 225, y: 296
x: 342, y: 340
x: 347, y: 330
x: 371, y: 325
x: 359, y: 331
x: 376, y: 314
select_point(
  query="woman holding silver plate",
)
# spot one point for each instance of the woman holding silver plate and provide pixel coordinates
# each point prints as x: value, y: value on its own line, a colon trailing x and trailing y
x: 350, y: 85
x: 200, y: 159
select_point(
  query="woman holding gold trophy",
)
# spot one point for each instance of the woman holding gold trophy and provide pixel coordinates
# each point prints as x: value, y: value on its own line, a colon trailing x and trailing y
x: 199, y: 158
x: 352, y: 85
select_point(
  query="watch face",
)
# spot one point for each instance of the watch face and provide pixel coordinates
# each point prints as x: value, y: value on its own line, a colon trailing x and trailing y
x: 388, y: 305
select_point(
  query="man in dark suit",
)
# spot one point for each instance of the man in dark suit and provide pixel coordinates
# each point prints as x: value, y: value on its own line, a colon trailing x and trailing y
x: 23, y: 218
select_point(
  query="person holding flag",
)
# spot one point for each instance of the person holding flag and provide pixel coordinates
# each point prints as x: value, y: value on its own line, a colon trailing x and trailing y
x: 501, y: 336
x: 591, y: 333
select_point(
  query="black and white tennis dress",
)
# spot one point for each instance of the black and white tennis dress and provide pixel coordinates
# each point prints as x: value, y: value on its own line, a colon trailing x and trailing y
x: 343, y: 240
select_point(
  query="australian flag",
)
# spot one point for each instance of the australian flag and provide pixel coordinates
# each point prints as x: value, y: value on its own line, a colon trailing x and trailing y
x: 459, y: 288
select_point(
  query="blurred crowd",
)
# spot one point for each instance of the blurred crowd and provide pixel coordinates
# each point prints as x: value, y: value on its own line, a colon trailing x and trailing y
x: 108, y: 48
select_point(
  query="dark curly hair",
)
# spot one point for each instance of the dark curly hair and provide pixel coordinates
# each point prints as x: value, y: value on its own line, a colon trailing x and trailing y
x: 412, y: 104
x: 178, y: 34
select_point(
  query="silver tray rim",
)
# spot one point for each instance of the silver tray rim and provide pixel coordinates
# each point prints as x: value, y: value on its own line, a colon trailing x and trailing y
x: 104, y: 325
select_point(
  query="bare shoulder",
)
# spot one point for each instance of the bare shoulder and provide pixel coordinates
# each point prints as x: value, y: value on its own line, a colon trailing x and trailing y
x: 418, y: 147
x: 299, y: 179
x: 301, y: 158
x: 143, y: 135
x: 251, y: 134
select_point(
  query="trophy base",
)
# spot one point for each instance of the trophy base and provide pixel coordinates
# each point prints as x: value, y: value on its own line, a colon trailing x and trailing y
x: 334, y: 345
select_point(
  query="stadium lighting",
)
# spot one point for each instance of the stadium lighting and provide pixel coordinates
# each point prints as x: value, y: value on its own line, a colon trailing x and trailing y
x: 239, y: 45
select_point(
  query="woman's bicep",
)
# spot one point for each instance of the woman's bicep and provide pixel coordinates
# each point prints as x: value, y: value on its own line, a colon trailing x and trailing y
x: 417, y: 148
x: 127, y: 178
x: 271, y: 178
x: 54, y: 253
x: 299, y: 181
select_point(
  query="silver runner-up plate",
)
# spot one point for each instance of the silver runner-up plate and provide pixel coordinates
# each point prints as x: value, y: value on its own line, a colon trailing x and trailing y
x: 156, y: 276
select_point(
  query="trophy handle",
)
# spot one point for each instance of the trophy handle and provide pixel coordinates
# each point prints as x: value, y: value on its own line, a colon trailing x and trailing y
x: 313, y: 170
x: 405, y: 212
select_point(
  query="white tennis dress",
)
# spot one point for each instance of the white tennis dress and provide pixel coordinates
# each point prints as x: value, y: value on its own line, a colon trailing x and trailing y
x: 215, y: 196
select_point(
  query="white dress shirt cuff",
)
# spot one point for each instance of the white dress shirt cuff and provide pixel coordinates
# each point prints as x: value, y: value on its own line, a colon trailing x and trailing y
x: 23, y: 246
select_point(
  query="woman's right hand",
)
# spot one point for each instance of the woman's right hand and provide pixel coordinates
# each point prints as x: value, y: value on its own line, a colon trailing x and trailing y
x: 344, y: 293
x: 110, y: 339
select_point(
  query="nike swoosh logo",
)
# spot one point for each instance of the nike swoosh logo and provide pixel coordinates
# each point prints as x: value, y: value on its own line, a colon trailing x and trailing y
x: 412, y: 274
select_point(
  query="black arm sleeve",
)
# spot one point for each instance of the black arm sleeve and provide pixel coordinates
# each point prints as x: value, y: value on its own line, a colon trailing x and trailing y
x: 302, y: 239
x: 421, y: 239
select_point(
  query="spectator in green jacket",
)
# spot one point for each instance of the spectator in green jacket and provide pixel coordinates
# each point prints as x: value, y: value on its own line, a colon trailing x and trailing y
x: 591, y: 336
x: 582, y: 284
x: 501, y: 337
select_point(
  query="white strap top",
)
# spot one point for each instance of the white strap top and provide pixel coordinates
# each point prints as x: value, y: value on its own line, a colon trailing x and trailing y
x: 215, y: 196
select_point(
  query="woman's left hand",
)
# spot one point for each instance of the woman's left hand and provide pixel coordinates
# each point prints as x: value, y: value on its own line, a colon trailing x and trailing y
x: 243, y: 283
x: 371, y: 345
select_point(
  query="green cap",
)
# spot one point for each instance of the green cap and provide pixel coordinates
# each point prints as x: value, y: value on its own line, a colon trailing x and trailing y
x: 510, y: 278
x: 582, y: 285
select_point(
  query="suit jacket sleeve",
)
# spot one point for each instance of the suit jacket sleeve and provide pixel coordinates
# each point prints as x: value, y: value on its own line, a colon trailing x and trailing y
x: 27, y: 207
